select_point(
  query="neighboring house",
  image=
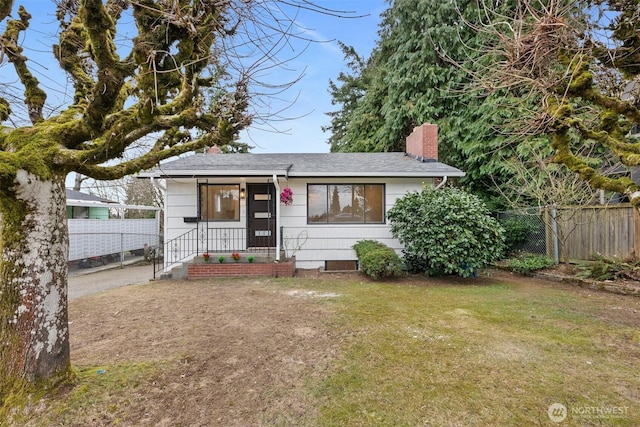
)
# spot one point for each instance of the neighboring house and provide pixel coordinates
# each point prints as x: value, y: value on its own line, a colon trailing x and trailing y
x: 87, y: 206
x: 219, y: 203
x: 93, y: 233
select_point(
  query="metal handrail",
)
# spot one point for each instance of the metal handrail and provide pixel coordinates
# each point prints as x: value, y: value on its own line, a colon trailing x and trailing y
x: 184, y: 240
x: 207, y: 239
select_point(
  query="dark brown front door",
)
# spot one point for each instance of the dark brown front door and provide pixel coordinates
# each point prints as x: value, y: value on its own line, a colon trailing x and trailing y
x: 261, y: 215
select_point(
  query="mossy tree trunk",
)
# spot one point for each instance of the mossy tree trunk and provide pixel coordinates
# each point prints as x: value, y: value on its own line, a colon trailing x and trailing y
x: 160, y: 88
x: 34, y: 334
x: 183, y: 85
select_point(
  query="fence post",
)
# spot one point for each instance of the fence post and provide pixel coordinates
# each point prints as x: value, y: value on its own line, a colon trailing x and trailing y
x: 554, y: 224
x: 551, y: 232
x: 636, y: 232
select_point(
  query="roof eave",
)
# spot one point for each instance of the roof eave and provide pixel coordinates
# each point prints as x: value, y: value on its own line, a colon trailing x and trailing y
x: 203, y: 174
x: 378, y: 175
x: 209, y: 173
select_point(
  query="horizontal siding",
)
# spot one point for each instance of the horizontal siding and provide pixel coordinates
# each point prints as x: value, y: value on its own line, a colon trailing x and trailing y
x: 181, y: 201
x: 311, y: 244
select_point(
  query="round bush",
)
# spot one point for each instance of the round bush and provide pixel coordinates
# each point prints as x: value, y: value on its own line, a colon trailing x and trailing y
x: 377, y: 260
x: 446, y: 231
x: 381, y: 263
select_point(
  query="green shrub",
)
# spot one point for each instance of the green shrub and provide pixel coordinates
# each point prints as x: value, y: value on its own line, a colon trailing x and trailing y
x: 516, y: 231
x: 526, y: 263
x: 377, y: 260
x: 414, y: 263
x: 364, y: 246
x: 446, y: 231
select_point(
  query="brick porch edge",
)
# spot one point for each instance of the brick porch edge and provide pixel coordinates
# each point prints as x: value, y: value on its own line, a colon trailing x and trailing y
x: 211, y: 269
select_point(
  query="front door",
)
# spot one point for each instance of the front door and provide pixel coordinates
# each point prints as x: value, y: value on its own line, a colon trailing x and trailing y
x: 261, y: 215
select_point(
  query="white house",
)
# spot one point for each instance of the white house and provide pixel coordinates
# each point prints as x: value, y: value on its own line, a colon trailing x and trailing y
x: 223, y: 203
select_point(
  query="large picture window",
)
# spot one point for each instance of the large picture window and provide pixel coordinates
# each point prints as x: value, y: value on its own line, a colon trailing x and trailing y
x: 345, y: 203
x: 219, y: 202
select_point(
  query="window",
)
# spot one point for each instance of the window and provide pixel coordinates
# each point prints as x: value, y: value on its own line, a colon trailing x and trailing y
x: 219, y: 202
x: 79, y: 212
x: 345, y: 203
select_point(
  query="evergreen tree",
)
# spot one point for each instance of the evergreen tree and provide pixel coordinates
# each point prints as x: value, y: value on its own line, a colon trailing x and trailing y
x: 418, y: 73
x: 347, y: 95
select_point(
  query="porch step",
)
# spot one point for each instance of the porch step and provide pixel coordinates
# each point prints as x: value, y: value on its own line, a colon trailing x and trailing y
x: 260, y: 255
x: 257, y: 256
x: 179, y: 272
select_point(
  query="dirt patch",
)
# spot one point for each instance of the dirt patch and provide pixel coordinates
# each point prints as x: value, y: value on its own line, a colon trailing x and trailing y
x: 237, y: 352
x: 233, y: 353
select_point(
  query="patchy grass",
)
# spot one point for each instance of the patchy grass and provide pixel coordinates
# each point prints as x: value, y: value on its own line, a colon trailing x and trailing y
x: 342, y: 350
x: 495, y: 354
x: 100, y: 393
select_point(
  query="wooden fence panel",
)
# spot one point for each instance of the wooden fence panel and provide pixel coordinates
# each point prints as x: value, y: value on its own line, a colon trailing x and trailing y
x: 610, y: 231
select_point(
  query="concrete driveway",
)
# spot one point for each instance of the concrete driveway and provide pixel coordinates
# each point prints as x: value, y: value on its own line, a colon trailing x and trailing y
x: 93, y: 280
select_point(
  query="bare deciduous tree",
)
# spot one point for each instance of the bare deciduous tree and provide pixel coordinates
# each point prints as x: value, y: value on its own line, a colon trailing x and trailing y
x: 577, y: 65
x: 557, y: 192
x: 187, y: 78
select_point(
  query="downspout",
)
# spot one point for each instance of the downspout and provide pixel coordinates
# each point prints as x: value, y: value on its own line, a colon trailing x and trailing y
x: 156, y: 251
x: 157, y: 184
x: 444, y: 181
x: 277, y: 228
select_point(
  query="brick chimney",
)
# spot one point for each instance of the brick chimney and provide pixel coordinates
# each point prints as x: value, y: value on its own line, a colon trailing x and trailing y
x: 423, y: 143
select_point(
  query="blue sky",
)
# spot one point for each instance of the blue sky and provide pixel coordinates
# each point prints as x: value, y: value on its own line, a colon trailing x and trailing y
x: 319, y: 62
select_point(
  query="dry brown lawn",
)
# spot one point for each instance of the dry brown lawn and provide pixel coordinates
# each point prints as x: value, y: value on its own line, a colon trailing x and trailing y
x: 299, y: 352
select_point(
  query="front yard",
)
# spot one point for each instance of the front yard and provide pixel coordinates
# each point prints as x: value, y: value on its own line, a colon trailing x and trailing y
x: 334, y: 350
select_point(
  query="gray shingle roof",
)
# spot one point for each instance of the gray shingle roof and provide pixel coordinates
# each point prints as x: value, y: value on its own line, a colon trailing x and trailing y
x: 302, y: 165
x: 77, y: 195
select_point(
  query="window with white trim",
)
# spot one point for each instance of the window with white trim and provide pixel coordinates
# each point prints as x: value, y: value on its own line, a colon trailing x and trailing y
x: 345, y: 203
x: 219, y: 202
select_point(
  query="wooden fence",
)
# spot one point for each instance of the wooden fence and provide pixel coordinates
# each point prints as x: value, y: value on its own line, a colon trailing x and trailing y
x: 588, y: 231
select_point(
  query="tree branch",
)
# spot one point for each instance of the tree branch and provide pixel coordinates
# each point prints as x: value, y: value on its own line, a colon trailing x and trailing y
x: 34, y: 96
x: 151, y: 158
x: 110, y: 73
x: 72, y: 58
